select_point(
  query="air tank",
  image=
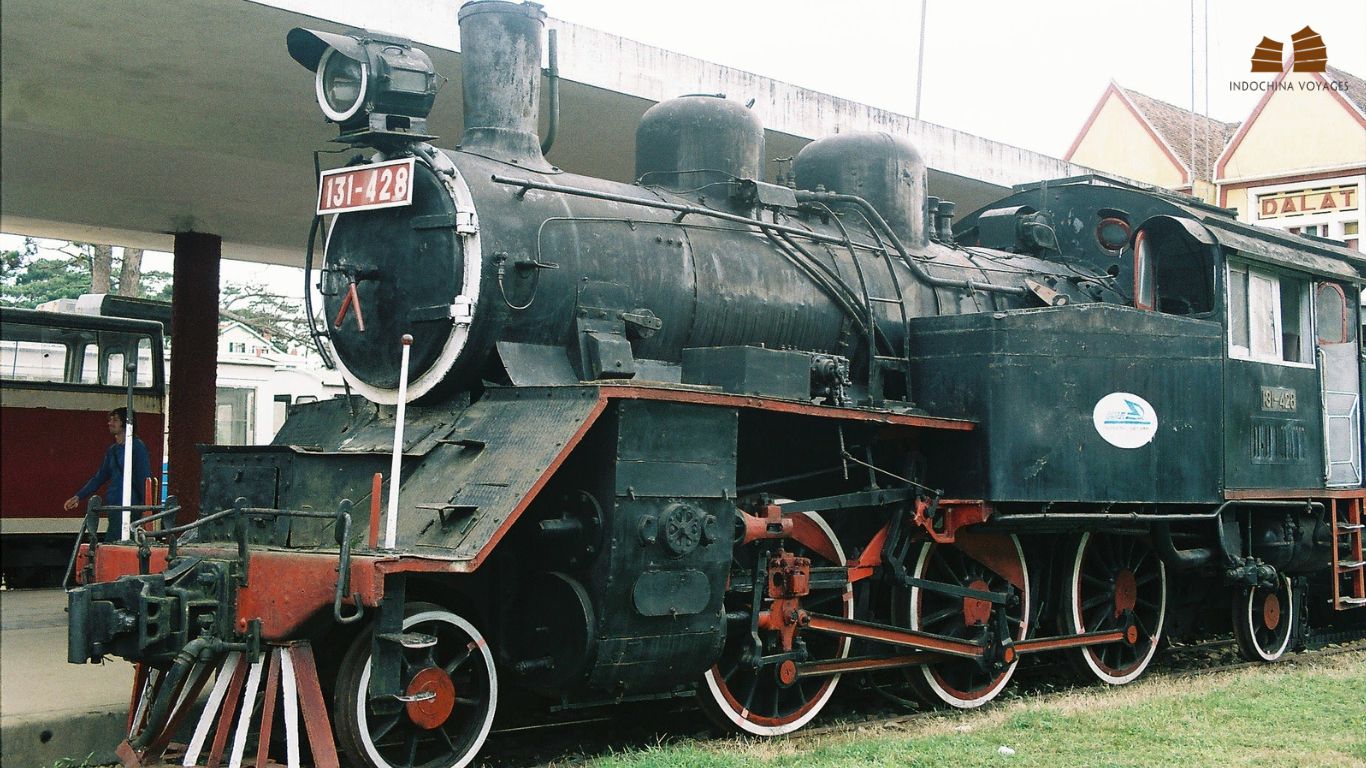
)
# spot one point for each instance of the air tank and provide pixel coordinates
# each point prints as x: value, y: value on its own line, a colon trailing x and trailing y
x: 885, y: 170
x: 696, y: 142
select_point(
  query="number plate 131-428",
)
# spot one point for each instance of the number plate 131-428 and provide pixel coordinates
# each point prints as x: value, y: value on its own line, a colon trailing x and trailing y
x: 366, y: 187
x: 1278, y: 399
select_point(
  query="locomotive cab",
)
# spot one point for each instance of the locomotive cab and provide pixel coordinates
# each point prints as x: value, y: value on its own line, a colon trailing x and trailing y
x: 1291, y: 349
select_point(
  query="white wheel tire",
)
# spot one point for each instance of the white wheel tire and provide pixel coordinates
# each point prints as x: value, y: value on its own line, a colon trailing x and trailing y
x: 754, y: 729
x: 1079, y: 625
x: 450, y: 618
x: 939, y: 690
x: 1289, y: 618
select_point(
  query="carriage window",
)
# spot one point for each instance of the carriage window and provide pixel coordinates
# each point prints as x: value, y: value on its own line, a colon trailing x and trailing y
x: 112, y: 368
x: 23, y: 360
x: 1332, y: 316
x: 1268, y: 316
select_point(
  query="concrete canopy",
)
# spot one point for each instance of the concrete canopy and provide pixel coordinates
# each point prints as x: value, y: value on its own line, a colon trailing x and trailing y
x: 125, y: 122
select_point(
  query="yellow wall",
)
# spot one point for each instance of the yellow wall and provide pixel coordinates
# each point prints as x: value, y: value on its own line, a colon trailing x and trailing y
x: 1297, y: 131
x: 1237, y: 198
x: 1117, y: 142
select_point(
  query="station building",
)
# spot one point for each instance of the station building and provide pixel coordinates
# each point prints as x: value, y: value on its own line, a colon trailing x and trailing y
x: 1297, y: 162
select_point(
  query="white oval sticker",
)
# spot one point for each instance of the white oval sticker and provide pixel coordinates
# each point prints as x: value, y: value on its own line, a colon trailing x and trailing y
x: 1125, y: 420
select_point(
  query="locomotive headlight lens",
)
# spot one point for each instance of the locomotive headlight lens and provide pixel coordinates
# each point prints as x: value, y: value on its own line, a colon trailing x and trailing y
x: 341, y: 84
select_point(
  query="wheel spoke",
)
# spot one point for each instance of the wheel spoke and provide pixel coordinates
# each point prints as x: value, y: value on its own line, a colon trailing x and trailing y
x: 411, y: 746
x: 385, y: 726
x: 822, y: 600
x: 1097, y: 600
x: 461, y: 658
x: 941, y: 615
x: 1095, y: 581
x: 1096, y: 618
x: 446, y: 738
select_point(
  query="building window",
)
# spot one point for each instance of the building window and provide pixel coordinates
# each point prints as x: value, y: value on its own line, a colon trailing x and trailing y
x: 1268, y: 317
x: 237, y: 346
x: 281, y: 405
x: 234, y: 420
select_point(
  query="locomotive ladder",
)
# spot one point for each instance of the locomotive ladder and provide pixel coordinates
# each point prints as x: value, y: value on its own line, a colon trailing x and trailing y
x: 879, y: 363
x: 1349, y: 565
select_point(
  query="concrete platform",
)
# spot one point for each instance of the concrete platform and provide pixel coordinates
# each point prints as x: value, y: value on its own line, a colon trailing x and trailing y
x: 50, y: 709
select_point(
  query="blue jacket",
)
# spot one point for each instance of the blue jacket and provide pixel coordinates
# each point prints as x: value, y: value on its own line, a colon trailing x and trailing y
x: 111, y: 471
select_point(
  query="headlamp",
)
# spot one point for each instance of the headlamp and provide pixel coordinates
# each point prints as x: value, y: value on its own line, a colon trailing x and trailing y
x: 374, y: 87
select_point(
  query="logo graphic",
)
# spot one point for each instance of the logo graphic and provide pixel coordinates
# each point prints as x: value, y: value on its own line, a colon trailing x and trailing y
x: 1307, y: 48
x: 1311, y: 55
x: 1125, y: 420
x: 1266, y: 57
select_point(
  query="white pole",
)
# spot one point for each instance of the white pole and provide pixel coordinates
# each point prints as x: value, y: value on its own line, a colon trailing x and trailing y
x: 129, y: 372
x: 391, y: 521
x: 127, y: 528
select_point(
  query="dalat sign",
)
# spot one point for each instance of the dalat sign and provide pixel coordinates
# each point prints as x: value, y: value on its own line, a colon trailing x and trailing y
x: 1301, y: 201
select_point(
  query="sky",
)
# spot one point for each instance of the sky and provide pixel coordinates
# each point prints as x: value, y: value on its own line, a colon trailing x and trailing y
x: 1026, y: 74
x: 1023, y: 74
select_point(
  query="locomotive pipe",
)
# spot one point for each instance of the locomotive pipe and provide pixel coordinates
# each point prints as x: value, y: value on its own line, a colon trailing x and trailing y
x: 1180, y: 559
x: 553, y: 79
x: 805, y: 196
x: 160, y: 709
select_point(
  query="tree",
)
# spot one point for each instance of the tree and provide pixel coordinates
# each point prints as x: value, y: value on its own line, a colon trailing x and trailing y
x: 130, y: 272
x: 29, y: 277
x: 279, y: 318
x: 101, y: 267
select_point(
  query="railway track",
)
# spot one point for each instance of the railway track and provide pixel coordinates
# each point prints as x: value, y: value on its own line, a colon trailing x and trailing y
x: 575, y: 741
x: 579, y: 741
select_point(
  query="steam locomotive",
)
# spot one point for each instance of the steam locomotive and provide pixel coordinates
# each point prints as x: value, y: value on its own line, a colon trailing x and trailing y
x: 708, y: 436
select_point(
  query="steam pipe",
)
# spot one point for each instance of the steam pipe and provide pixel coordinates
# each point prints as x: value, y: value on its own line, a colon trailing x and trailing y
x: 553, y: 78
x: 805, y: 196
x: 1180, y: 559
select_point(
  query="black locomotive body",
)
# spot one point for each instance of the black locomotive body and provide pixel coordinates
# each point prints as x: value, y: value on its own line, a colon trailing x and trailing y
x: 706, y: 435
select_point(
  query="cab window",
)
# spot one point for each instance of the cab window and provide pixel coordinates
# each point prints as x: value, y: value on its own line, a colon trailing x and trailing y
x: 1268, y: 316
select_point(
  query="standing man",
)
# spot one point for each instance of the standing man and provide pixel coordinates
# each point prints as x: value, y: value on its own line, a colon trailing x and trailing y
x: 111, y: 471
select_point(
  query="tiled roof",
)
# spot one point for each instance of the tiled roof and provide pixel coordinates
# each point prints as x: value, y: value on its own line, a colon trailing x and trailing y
x: 1356, y: 87
x: 1173, y: 124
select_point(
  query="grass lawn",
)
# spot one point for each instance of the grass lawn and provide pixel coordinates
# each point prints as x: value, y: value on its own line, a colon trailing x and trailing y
x: 1301, y: 712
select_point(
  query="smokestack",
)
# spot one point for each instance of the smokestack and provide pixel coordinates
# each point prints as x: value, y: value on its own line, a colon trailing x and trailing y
x: 500, y: 59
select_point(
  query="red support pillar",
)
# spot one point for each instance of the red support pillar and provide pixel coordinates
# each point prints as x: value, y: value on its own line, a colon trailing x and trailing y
x: 194, y: 362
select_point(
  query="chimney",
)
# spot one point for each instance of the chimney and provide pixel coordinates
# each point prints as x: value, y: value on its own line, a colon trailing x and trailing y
x: 500, y: 60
